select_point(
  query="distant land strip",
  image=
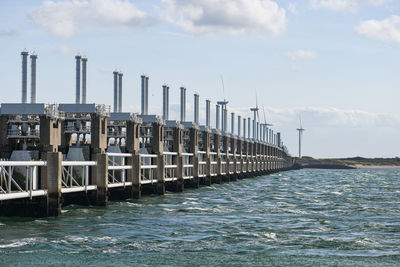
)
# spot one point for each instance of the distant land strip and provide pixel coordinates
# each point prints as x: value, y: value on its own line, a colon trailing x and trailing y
x: 348, y: 163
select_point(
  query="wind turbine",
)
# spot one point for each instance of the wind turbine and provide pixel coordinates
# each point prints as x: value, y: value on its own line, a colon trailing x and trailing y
x: 255, y: 111
x: 223, y: 107
x: 265, y: 137
x: 301, y: 130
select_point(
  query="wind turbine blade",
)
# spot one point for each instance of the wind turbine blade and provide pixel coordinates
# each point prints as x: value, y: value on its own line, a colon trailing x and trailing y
x: 301, y: 127
x: 265, y: 119
x: 256, y: 99
x: 223, y: 86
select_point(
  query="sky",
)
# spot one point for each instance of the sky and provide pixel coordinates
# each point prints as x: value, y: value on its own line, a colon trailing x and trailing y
x: 334, y: 63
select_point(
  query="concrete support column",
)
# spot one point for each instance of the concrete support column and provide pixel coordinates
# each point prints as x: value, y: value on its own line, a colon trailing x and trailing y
x: 217, y: 146
x: 196, y: 177
x: 218, y: 178
x: 180, y: 183
x: 134, y: 176
x: 206, y: 141
x: 194, y: 148
x: 98, y: 133
x: 207, y: 179
x: 132, y: 137
x: 160, y: 174
x: 100, y: 178
x: 226, y: 145
x: 54, y: 175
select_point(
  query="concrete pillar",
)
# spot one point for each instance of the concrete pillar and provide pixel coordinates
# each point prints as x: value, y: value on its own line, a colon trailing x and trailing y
x: 207, y: 145
x: 54, y: 176
x: 194, y: 145
x: 217, y: 146
x: 226, y: 145
x: 50, y: 139
x: 196, y: 177
x: 207, y: 179
x: 66, y: 138
x: 160, y: 174
x: 180, y: 183
x: 98, y: 133
x: 158, y: 138
x: 133, y: 137
x: 134, y: 175
x: 50, y: 134
x: 100, y: 178
x: 158, y: 149
x: 177, y: 147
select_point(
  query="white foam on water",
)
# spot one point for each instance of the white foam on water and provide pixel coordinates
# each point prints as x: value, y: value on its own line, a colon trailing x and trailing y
x: 22, y: 242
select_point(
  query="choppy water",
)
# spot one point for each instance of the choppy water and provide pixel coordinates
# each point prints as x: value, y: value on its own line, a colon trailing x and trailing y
x: 296, y: 218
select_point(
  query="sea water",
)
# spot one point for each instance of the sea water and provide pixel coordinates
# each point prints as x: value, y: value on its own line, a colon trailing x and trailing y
x: 294, y: 218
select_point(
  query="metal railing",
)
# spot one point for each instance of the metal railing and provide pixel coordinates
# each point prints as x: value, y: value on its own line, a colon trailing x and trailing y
x: 117, y: 169
x: 223, y: 167
x: 18, y: 179
x: 202, y: 163
x: 75, y: 176
x: 170, y: 167
x: 187, y: 165
x: 148, y: 167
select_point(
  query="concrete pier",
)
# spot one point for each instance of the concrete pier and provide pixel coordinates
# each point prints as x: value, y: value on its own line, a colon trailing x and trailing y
x: 54, y: 169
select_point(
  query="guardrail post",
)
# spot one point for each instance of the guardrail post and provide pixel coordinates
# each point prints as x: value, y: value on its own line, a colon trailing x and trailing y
x: 54, y: 174
x: 134, y: 175
x: 100, y: 178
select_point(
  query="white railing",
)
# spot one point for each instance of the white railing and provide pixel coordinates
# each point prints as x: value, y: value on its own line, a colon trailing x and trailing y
x: 18, y: 179
x: 202, y: 168
x: 223, y: 167
x: 200, y: 155
x: 238, y: 166
x: 202, y: 163
x: 231, y: 167
x: 148, y: 167
x: 75, y: 176
x: 117, y: 169
x: 213, y: 167
x: 187, y: 165
x: 170, y: 168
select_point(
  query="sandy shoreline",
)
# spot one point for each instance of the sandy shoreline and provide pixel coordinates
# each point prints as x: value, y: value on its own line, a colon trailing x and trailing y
x: 377, y: 167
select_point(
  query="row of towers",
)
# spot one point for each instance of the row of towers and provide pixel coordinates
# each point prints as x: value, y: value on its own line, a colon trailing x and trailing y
x: 261, y: 131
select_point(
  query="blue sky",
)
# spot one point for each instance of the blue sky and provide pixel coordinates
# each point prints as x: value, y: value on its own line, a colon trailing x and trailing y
x: 334, y: 62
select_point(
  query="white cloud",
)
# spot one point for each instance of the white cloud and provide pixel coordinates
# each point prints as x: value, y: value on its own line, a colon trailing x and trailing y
x: 8, y: 32
x: 319, y: 117
x: 302, y: 54
x: 344, y: 5
x: 293, y: 8
x: 63, y: 49
x: 213, y: 17
x: 387, y: 30
x: 65, y: 18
